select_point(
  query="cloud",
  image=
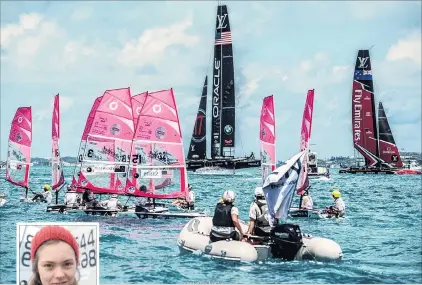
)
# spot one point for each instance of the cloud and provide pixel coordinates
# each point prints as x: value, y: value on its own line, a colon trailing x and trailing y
x: 408, y: 48
x: 27, y: 22
x: 153, y: 43
x: 46, y: 113
x: 81, y: 13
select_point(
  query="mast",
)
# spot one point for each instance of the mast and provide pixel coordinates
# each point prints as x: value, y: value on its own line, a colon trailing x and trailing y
x: 198, y: 145
x: 223, y: 94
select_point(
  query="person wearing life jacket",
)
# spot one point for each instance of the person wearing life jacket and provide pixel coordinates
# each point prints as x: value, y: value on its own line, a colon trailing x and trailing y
x: 339, y: 208
x: 226, y: 219
x: 71, y: 198
x: 88, y: 199
x: 44, y: 197
x: 114, y: 203
x: 307, y: 202
x: 258, y: 215
x: 142, y: 202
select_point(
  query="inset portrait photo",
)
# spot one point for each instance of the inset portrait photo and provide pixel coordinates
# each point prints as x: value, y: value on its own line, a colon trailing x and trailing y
x: 57, y: 253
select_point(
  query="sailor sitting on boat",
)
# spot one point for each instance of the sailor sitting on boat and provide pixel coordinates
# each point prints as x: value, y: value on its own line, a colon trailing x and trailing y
x: 71, y: 198
x: 258, y: 215
x: 226, y: 219
x: 307, y: 202
x: 113, y: 203
x: 45, y: 197
x: 141, y: 202
x: 89, y: 200
x: 327, y: 173
x: 186, y: 204
x: 339, y: 208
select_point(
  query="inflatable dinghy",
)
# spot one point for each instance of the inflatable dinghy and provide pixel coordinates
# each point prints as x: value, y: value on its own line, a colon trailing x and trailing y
x: 286, y: 242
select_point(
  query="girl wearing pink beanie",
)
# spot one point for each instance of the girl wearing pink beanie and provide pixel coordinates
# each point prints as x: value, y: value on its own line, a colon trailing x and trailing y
x: 55, y: 257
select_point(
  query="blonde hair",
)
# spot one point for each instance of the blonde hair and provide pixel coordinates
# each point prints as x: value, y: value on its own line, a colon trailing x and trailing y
x: 35, y: 278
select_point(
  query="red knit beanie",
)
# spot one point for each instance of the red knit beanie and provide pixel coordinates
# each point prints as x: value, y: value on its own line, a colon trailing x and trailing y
x: 54, y: 233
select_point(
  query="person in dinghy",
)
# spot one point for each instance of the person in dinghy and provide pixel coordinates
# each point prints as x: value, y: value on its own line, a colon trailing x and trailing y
x: 71, y: 198
x: 44, y: 197
x: 226, y: 219
x: 339, y: 208
x: 258, y: 215
x: 307, y: 203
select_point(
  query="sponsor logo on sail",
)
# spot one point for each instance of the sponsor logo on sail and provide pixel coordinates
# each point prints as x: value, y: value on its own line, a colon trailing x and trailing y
x: 113, y: 105
x: 221, y: 21
x: 198, y: 136
x: 131, y: 189
x: 156, y: 108
x: 216, y: 84
x: 138, y: 110
x: 363, y: 62
x: 160, y: 132
x: 84, y: 182
x: 228, y: 129
x: 394, y: 158
x: 115, y: 129
x: 20, y: 119
x: 389, y: 151
x: 357, y: 114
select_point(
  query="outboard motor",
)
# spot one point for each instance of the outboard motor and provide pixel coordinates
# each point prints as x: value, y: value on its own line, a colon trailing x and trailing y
x: 286, y: 240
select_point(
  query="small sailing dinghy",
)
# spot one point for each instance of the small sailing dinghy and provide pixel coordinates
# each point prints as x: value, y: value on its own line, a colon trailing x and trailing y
x: 267, y: 137
x: 158, y: 155
x: 19, y: 150
x: 285, y: 242
x: 303, y: 184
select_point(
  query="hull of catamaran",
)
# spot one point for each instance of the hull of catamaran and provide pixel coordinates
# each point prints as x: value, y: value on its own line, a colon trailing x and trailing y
x: 366, y: 171
x: 194, y: 237
x: 229, y: 163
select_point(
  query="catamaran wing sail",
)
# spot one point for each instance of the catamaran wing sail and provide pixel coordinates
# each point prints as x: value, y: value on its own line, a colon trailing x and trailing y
x: 157, y: 149
x: 57, y: 178
x: 387, y: 146
x: 280, y: 186
x: 267, y: 137
x: 198, y: 145
x: 82, y: 145
x: 305, y: 136
x: 364, y: 126
x: 223, y: 94
x: 19, y: 149
x: 107, y: 152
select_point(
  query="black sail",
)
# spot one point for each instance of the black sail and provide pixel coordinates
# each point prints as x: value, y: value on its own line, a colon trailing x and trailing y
x: 223, y: 92
x: 389, y: 152
x: 198, y: 144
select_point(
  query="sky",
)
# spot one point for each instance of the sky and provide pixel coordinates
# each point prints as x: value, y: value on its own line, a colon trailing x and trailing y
x: 80, y: 49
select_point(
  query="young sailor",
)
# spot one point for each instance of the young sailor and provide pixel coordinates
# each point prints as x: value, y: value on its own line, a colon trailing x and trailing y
x: 44, y: 197
x: 71, y: 198
x: 186, y: 204
x: 339, y: 208
x: 141, y: 202
x: 113, y: 203
x: 88, y: 199
x: 258, y: 215
x: 307, y: 202
x: 226, y: 219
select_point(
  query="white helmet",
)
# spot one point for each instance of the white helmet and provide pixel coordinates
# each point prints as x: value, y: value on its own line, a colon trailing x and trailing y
x: 229, y: 196
x: 114, y: 196
x: 259, y: 192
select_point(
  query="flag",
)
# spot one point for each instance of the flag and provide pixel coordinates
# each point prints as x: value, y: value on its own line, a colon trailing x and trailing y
x: 223, y: 38
x: 363, y: 74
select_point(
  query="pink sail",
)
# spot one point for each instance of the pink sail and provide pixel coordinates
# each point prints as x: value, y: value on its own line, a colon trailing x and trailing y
x: 57, y: 178
x: 19, y: 148
x: 82, y: 145
x: 305, y: 136
x: 108, y: 143
x: 157, y: 149
x: 267, y: 137
x: 137, y: 103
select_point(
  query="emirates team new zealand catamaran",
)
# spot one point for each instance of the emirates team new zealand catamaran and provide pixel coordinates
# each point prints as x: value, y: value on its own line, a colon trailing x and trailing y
x: 375, y: 144
x: 222, y: 110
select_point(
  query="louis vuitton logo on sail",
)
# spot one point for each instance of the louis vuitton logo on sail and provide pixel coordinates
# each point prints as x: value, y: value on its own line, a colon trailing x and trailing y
x: 221, y: 20
x: 357, y: 114
x: 362, y: 62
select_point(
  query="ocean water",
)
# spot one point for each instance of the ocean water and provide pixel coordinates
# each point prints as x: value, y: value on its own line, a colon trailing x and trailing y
x: 380, y: 237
